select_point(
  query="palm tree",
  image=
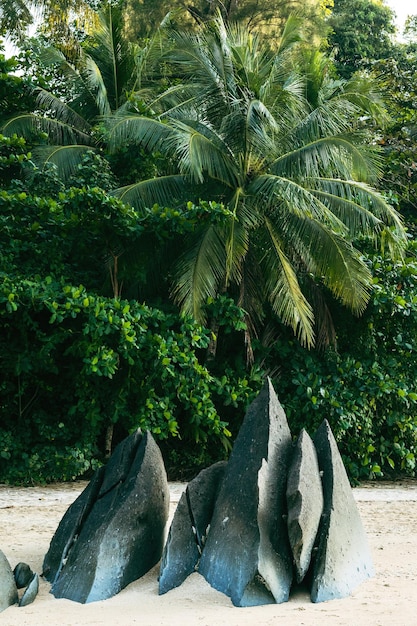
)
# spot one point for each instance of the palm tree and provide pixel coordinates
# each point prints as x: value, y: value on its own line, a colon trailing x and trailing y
x: 97, y: 78
x: 285, y: 153
x: 17, y: 15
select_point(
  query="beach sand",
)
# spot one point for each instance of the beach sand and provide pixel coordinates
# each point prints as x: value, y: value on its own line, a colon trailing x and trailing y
x: 30, y: 516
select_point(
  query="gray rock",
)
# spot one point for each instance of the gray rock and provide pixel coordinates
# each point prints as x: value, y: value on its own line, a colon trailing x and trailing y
x: 343, y: 558
x: 22, y: 575
x: 305, y: 502
x: 31, y: 591
x: 114, y: 533
x: 247, y: 554
x: 188, y: 531
x: 8, y: 589
x: 70, y: 527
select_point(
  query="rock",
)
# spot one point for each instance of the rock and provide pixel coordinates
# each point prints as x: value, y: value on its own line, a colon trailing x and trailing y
x: 247, y: 554
x: 70, y: 527
x: 31, y: 591
x: 305, y: 502
x: 114, y: 532
x: 22, y: 575
x: 189, y: 528
x: 8, y: 589
x: 343, y: 559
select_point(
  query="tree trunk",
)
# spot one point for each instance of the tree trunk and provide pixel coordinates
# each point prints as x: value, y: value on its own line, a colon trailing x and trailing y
x: 108, y: 441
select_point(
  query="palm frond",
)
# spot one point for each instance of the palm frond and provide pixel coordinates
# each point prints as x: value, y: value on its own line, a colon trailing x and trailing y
x: 97, y: 86
x: 111, y: 53
x: 150, y: 133
x: 65, y: 158
x: 285, y: 294
x: 353, y: 196
x: 285, y: 195
x: 335, y: 154
x: 61, y: 110
x: 165, y: 191
x: 60, y: 132
x: 334, y: 260
x: 201, y: 152
x: 200, y: 272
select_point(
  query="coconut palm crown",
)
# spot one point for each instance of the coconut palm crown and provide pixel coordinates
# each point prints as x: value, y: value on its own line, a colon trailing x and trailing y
x: 271, y: 135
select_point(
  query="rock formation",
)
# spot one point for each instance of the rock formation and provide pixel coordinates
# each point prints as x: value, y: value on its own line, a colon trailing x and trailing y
x: 276, y: 506
x: 189, y: 528
x: 114, y: 532
x: 8, y: 589
x: 305, y: 503
x: 343, y: 559
x: 247, y: 554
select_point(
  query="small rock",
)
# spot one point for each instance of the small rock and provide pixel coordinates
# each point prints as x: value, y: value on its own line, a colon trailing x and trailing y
x: 31, y: 591
x: 22, y: 575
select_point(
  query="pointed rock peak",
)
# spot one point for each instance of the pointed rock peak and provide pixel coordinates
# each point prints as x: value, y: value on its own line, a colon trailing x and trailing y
x: 343, y: 558
x: 189, y: 528
x: 8, y: 589
x: 250, y: 511
x: 305, y: 502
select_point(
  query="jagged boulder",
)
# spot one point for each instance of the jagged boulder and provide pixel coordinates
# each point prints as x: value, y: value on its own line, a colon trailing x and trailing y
x: 189, y: 528
x: 8, y: 589
x: 343, y: 559
x: 305, y: 503
x: 114, y: 532
x: 247, y: 554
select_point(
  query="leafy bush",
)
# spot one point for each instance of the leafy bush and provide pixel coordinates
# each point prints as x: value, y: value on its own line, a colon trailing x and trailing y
x: 366, y: 388
x: 81, y: 365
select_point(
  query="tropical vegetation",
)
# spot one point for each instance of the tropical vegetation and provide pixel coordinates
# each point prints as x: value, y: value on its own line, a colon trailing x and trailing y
x: 186, y: 213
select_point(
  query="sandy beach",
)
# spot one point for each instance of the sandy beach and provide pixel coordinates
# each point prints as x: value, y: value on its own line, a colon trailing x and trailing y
x: 30, y: 516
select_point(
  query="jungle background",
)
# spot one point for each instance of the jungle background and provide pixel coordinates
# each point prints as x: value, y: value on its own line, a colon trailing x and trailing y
x: 195, y: 197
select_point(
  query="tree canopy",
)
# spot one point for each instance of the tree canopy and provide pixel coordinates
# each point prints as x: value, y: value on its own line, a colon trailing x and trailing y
x: 361, y: 31
x: 279, y: 143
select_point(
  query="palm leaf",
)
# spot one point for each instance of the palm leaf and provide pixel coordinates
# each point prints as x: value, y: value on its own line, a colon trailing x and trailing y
x: 61, y: 111
x: 200, y: 272
x: 65, y: 158
x: 287, y: 196
x: 354, y: 198
x: 201, y: 152
x: 60, y: 132
x: 150, y: 133
x: 97, y: 86
x: 285, y: 295
x: 165, y: 191
x: 334, y: 153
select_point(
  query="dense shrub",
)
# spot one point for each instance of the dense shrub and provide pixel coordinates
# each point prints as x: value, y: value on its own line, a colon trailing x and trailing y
x: 81, y: 366
x: 79, y: 363
x: 367, y: 387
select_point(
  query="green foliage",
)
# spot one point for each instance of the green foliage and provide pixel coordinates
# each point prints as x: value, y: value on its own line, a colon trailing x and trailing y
x: 361, y: 32
x: 367, y: 388
x: 79, y: 360
x: 275, y: 138
x: 398, y: 78
x: 82, y: 362
x: 15, y: 93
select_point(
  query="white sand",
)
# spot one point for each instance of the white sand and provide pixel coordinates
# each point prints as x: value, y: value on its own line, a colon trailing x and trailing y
x: 30, y: 516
